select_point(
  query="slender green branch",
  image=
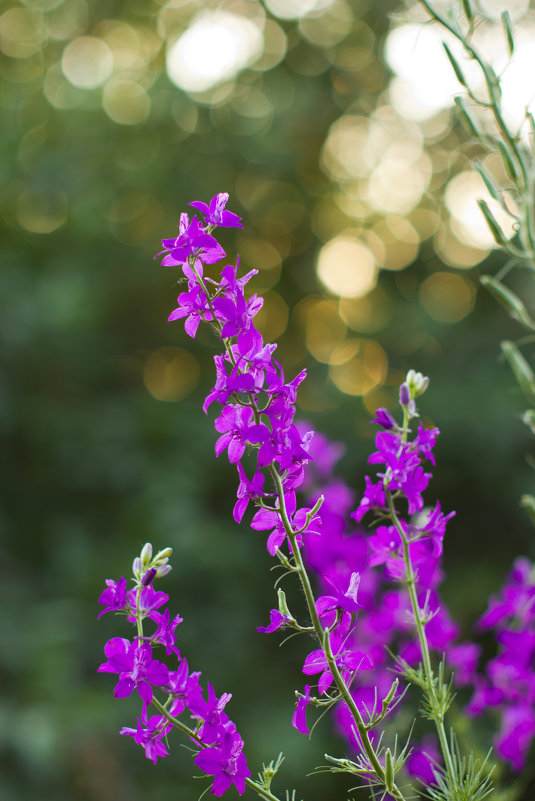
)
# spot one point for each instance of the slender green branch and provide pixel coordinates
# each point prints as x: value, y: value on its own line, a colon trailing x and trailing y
x: 511, y: 152
x: 325, y: 642
x: 178, y: 724
x: 410, y: 581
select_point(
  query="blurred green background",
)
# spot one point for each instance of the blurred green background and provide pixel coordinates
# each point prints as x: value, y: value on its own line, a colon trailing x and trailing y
x: 358, y: 202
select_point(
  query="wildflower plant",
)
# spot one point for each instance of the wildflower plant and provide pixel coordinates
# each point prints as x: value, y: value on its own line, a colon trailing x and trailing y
x: 375, y: 622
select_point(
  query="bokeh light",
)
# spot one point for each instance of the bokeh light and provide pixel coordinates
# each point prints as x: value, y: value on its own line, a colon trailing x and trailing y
x: 170, y: 373
x: 447, y: 297
x: 346, y: 267
x: 363, y: 371
x: 42, y: 211
x: 87, y: 62
x: 468, y: 223
x: 294, y: 9
x: 126, y: 102
x: 216, y: 46
x: 324, y: 329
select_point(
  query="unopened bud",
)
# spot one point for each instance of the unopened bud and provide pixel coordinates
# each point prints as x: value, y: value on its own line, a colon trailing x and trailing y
x: 137, y: 567
x: 404, y: 395
x: 417, y: 383
x: 146, y: 554
x: 283, y: 606
x: 162, y: 556
x: 391, y: 694
x: 389, y: 771
x: 149, y: 577
x: 163, y: 570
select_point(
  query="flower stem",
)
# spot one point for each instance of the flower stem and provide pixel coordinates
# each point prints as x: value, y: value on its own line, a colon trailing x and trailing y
x: 324, y: 642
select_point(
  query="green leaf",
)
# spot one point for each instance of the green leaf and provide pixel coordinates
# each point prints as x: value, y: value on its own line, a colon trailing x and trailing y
x: 508, y: 28
x: 468, y: 10
x: 512, y: 302
x: 455, y: 65
x: 492, y: 189
x: 495, y: 229
x: 508, y: 162
x: 466, y: 119
x: 521, y: 369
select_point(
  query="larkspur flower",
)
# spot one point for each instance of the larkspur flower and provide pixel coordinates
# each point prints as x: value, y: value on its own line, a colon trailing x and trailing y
x: 225, y: 762
x: 135, y: 666
x: 150, y: 736
x: 114, y: 597
x: 216, y: 214
x: 299, y: 721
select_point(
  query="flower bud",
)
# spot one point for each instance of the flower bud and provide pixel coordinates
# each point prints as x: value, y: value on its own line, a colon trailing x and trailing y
x: 283, y: 606
x: 137, y: 567
x: 384, y: 419
x: 417, y: 383
x: 146, y: 554
x: 162, y: 556
x: 389, y: 771
x: 149, y: 577
x: 404, y: 395
x: 163, y: 570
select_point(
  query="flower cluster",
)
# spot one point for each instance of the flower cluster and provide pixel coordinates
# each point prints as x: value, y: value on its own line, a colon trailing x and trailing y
x: 258, y: 405
x: 386, y: 622
x: 213, y: 734
x: 508, y: 685
x: 257, y: 416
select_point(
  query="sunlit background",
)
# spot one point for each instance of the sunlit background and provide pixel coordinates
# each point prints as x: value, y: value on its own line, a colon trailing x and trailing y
x: 331, y: 124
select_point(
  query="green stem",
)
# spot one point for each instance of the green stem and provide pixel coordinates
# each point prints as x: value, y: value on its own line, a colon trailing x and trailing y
x: 256, y: 786
x: 325, y: 643
x: 410, y: 581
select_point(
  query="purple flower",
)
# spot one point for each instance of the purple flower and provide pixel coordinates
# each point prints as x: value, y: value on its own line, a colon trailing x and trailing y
x: 373, y: 498
x: 225, y: 762
x: 344, y: 598
x: 191, y: 239
x: 276, y: 621
x: 234, y: 423
x: 184, y: 687
x: 269, y: 518
x: 150, y: 736
x: 384, y: 419
x: 149, y: 601
x: 425, y: 441
x: 299, y: 721
x: 165, y: 633
x: 215, y: 213
x: 424, y: 760
x: 518, y: 730
x: 225, y: 385
x: 135, y: 666
x: 347, y: 659
x: 193, y: 305
x: 114, y: 597
x: 247, y: 491
x: 211, y: 713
